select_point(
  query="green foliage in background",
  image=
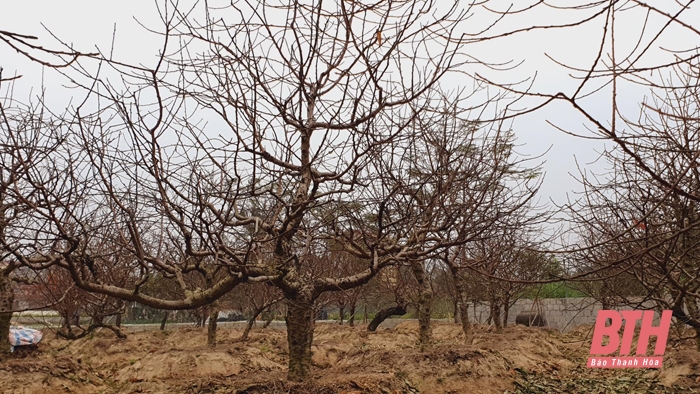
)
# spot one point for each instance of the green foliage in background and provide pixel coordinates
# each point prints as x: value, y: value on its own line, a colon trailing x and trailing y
x: 552, y: 290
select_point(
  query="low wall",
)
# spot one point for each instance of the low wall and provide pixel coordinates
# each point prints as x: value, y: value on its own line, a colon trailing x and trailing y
x: 561, y: 313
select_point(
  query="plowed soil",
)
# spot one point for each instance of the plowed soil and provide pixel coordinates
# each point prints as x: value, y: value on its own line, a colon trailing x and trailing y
x: 346, y: 360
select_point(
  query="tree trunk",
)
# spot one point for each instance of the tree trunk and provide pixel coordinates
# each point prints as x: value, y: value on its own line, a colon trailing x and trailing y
x: 97, y: 321
x: 506, y: 309
x: 425, y: 298
x: 341, y: 314
x: 165, y: 320
x: 496, y: 315
x: 211, y: 330
x: 351, y: 319
x: 7, y: 298
x: 118, y: 323
x: 203, y: 322
x: 425, y: 332
x: 300, y: 334
x: 456, y: 309
x: 384, y: 314
x: 694, y: 314
x: 268, y: 318
x: 76, y: 319
x: 364, y: 317
x: 129, y: 311
x: 464, y: 314
x: 462, y: 301
x: 65, y: 325
x: 251, y: 323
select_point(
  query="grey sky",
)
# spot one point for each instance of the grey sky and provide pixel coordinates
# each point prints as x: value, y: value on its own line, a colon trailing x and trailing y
x: 87, y: 24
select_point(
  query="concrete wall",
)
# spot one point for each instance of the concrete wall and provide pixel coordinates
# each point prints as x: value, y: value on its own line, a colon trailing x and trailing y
x: 561, y: 313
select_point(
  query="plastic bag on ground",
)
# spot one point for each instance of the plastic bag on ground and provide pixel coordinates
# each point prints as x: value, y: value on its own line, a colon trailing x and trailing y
x: 22, y: 336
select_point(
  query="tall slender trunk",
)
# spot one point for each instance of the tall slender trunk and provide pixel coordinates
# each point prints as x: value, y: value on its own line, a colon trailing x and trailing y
x: 462, y: 300
x: 341, y: 314
x: 425, y: 298
x: 364, y: 316
x: 165, y: 320
x: 211, y: 330
x: 300, y: 335
x: 204, y: 316
x: 506, y: 309
x: 455, y: 303
x: 351, y: 319
x: 129, y: 311
x: 7, y: 298
x: 496, y: 314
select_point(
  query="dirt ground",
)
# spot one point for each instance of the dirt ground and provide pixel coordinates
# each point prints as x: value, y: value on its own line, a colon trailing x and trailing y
x: 346, y: 360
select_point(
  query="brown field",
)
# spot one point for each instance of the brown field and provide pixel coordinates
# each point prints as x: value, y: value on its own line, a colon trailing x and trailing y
x: 346, y: 360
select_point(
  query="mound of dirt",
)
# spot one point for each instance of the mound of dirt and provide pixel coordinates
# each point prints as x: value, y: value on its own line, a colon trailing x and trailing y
x: 346, y: 360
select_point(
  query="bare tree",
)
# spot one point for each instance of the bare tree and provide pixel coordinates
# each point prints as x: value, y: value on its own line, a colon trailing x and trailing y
x: 307, y: 97
x: 343, y: 263
x: 28, y: 138
x: 644, y: 220
x: 258, y: 298
x: 303, y: 100
x: 56, y: 288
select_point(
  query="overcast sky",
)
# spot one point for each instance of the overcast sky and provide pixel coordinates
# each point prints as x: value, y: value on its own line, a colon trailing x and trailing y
x: 87, y: 24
